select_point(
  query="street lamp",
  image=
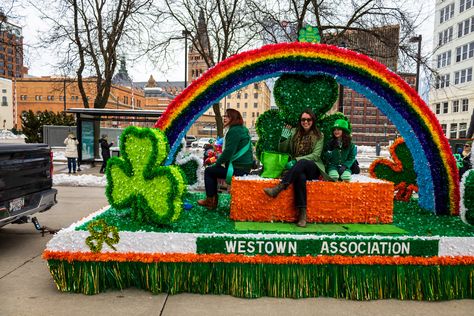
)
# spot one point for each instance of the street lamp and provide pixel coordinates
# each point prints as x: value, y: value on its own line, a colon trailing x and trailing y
x: 185, y: 34
x: 385, y: 131
x: 417, y: 39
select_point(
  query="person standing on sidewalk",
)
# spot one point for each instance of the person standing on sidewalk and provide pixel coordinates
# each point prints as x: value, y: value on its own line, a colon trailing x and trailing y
x: 105, y: 150
x: 305, y: 146
x: 71, y: 152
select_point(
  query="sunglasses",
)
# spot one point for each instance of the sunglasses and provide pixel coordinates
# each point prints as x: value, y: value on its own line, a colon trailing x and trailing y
x: 306, y: 120
x: 467, y: 145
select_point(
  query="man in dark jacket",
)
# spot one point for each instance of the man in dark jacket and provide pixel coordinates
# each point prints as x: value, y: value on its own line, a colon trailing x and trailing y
x: 105, y: 150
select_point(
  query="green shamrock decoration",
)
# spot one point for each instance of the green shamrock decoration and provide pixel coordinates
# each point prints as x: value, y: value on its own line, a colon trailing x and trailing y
x: 100, y: 232
x: 294, y: 93
x: 400, y: 170
x: 467, y: 198
x: 139, y: 182
x: 309, y: 34
x: 268, y: 128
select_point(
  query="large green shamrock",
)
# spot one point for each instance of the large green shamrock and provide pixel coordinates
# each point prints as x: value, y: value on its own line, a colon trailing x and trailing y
x: 295, y: 93
x: 400, y: 171
x: 139, y: 182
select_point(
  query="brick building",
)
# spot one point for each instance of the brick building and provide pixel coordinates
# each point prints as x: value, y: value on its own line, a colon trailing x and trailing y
x: 11, y: 49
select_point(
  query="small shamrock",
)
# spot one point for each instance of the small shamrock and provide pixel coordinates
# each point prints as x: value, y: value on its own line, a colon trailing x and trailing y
x: 100, y: 232
x: 139, y: 182
x: 309, y: 34
x: 400, y: 171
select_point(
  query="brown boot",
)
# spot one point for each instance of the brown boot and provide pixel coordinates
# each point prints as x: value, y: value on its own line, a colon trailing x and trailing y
x: 273, y: 192
x: 301, y: 217
x: 209, y: 202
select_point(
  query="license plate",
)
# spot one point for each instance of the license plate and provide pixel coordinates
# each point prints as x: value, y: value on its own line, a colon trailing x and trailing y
x: 17, y: 204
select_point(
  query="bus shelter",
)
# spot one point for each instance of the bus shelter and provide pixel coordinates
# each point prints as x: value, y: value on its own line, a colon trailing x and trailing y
x: 88, y: 122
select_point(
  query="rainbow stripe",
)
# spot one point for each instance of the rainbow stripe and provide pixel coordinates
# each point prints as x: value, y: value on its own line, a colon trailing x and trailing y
x: 435, y: 166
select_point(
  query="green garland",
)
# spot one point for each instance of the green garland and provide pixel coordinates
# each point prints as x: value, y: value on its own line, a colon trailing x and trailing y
x: 356, y: 282
x: 468, y: 198
x: 139, y: 182
x: 190, y: 170
x: 269, y: 126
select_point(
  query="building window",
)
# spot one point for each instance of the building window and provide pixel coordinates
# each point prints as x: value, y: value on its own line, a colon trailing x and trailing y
x: 445, y: 107
x: 238, y: 95
x: 125, y: 100
x: 444, y: 59
x: 238, y: 105
x: 23, y: 97
x: 244, y: 115
x: 446, y: 13
x: 465, y: 4
x: 50, y: 97
x: 463, y: 76
x: 246, y: 95
x: 443, y: 127
x: 4, y: 101
x: 255, y: 105
x: 228, y: 104
x: 464, y: 52
x: 455, y: 106
x: 246, y: 105
x: 465, y: 105
x: 462, y: 130
x: 445, y: 36
x: 453, y: 132
x: 466, y: 27
x: 4, y: 90
x: 253, y: 114
x: 255, y: 95
x: 38, y: 97
x: 255, y: 86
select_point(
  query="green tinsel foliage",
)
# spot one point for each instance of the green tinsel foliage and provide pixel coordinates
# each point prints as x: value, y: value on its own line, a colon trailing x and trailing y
x: 190, y: 170
x: 355, y: 282
x: 294, y: 93
x: 468, y: 197
x: 268, y: 127
x: 407, y: 174
x: 326, y: 123
x: 100, y: 233
x: 136, y: 180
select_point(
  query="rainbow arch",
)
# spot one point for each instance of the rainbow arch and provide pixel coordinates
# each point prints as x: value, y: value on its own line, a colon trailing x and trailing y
x: 434, y: 164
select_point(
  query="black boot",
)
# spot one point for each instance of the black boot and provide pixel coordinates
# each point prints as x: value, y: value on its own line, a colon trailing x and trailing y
x: 301, y: 217
x: 273, y: 192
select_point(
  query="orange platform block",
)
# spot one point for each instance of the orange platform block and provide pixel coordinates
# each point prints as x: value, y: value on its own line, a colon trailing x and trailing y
x: 328, y: 202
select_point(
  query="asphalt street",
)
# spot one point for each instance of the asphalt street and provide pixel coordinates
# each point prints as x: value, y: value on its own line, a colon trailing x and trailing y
x: 27, y: 288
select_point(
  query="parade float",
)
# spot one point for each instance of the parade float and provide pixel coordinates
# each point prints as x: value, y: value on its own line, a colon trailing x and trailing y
x: 366, y: 245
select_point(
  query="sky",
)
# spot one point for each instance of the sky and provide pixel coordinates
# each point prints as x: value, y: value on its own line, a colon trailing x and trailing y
x: 40, y: 61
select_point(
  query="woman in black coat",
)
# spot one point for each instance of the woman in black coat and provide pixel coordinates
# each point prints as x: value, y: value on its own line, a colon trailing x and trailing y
x: 105, y: 150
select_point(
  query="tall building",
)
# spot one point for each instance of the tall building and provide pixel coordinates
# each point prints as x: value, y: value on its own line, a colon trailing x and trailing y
x: 369, y: 124
x: 11, y: 49
x: 250, y: 101
x: 452, y: 96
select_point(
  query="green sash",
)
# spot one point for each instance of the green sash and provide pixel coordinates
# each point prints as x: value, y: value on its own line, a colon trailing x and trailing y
x: 230, y: 169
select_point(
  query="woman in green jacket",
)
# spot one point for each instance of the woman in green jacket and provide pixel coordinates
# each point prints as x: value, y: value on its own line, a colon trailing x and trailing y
x: 236, y: 139
x: 341, y: 152
x: 304, y: 146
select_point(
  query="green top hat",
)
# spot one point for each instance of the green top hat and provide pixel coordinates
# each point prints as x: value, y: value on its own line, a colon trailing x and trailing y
x: 342, y: 124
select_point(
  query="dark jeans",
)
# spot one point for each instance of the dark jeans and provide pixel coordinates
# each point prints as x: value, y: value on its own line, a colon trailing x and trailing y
x: 71, y: 164
x: 211, y: 174
x: 303, y: 171
x: 104, y: 164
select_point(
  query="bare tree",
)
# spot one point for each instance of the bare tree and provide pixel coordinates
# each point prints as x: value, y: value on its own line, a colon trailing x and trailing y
x: 339, y: 20
x: 87, y: 35
x: 217, y: 30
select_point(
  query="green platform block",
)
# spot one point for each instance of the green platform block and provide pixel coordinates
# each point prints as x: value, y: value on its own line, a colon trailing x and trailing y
x: 319, y: 228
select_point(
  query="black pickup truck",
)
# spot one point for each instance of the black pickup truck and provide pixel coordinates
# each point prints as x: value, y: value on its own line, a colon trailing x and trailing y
x: 25, y: 181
